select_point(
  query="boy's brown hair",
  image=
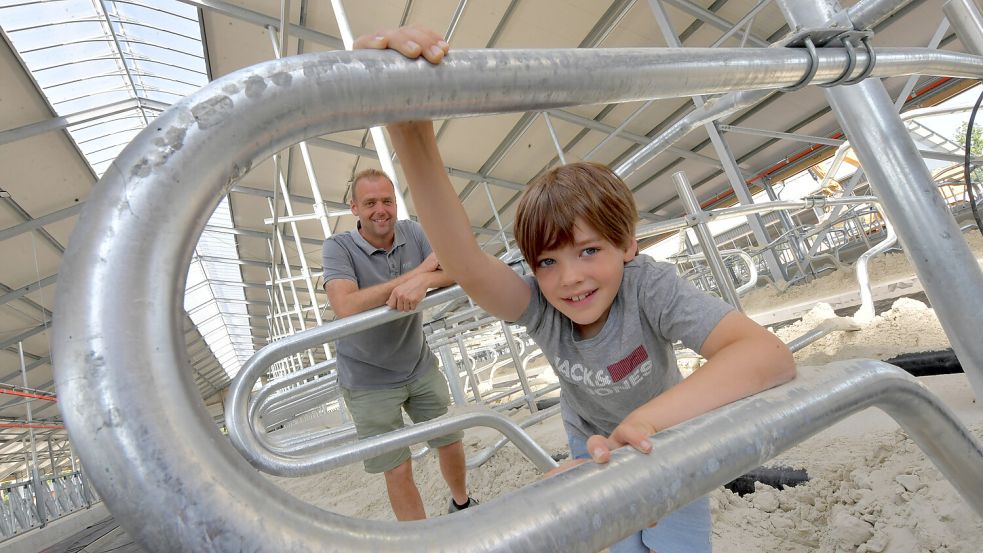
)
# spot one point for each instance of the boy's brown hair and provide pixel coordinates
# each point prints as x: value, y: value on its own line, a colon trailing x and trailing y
x: 550, y: 206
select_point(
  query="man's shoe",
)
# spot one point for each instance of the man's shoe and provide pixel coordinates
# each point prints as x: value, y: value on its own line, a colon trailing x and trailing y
x: 455, y: 508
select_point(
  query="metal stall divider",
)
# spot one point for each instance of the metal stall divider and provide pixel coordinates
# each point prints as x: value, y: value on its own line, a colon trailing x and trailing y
x: 220, y: 494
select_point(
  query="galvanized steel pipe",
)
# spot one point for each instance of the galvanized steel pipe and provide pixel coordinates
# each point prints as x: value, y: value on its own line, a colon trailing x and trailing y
x: 909, y: 197
x: 128, y: 400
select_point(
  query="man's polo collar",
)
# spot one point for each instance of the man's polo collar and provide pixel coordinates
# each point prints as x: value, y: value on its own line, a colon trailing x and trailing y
x: 369, y: 249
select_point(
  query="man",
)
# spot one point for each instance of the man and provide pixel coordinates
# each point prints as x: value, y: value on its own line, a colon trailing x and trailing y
x: 389, y: 368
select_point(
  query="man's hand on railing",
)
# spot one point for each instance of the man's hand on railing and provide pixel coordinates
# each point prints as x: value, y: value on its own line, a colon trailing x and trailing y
x: 406, y: 296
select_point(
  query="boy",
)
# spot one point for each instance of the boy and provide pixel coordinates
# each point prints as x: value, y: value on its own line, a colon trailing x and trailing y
x: 604, y: 316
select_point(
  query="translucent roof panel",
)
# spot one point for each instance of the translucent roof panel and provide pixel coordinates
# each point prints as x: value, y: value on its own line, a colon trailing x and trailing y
x: 137, y: 57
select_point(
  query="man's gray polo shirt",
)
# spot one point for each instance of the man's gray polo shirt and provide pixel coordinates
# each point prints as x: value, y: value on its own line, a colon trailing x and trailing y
x: 395, y: 353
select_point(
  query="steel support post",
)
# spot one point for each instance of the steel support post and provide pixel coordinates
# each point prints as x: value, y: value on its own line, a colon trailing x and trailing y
x: 797, y: 248
x: 275, y: 277
x: 965, y: 18
x: 453, y: 375
x: 556, y: 141
x: 33, y: 472
x: 691, y: 249
x: 304, y: 268
x: 378, y: 137
x: 467, y: 366
x: 278, y: 48
x: 83, y: 483
x: 726, y: 157
x: 520, y: 371
x: 51, y: 458
x: 931, y: 238
x: 498, y: 220
x: 710, y: 252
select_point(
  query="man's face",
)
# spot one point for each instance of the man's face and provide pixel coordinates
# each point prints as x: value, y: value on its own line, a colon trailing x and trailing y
x: 374, y: 203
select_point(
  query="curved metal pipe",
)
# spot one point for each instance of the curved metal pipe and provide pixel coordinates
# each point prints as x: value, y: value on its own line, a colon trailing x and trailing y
x: 865, y: 312
x: 481, y: 458
x: 304, y: 465
x: 711, y: 111
x: 260, y: 406
x: 149, y: 430
x: 289, y: 408
x: 822, y: 329
x: 748, y: 260
x: 300, y: 442
x: 287, y: 398
x: 484, y: 455
x: 867, y: 13
x: 273, y: 386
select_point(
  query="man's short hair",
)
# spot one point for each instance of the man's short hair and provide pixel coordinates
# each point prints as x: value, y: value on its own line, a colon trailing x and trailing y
x: 550, y: 206
x: 370, y: 173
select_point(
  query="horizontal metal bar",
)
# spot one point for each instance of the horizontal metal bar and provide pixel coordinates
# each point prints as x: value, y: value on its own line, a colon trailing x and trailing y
x: 636, y: 138
x: 24, y: 335
x: 712, y: 19
x: 286, y: 280
x: 250, y: 16
x: 781, y: 135
x: 261, y: 235
x: 57, y: 123
x: 293, y: 218
x: 27, y: 289
x: 40, y: 222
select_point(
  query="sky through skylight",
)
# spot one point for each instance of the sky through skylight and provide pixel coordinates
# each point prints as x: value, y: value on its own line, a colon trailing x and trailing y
x: 136, y: 58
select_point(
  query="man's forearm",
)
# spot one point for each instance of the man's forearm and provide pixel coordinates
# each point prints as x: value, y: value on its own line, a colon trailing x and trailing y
x: 374, y: 296
x: 439, y: 279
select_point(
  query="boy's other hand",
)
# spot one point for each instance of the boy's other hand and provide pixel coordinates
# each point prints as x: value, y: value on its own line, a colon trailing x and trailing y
x: 412, y: 41
x: 629, y: 432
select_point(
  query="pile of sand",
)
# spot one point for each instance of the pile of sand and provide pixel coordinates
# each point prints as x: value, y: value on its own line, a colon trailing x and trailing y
x: 909, y: 326
x: 874, y: 493
x: 882, y: 268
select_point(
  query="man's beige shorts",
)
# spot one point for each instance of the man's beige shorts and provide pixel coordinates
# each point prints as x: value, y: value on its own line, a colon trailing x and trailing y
x: 379, y: 411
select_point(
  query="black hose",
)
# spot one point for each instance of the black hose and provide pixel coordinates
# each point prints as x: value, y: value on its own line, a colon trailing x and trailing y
x: 966, y: 172
x: 777, y: 477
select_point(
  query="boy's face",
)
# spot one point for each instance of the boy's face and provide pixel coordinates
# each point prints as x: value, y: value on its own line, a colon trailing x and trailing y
x: 581, y: 279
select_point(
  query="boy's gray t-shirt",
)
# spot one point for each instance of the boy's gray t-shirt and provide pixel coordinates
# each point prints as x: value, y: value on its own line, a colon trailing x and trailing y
x: 395, y: 353
x: 630, y: 361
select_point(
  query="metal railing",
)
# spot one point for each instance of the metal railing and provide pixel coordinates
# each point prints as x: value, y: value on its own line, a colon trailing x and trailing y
x: 163, y: 445
x: 62, y: 495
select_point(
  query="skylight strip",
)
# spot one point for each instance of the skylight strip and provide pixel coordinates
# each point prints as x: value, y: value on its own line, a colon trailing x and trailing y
x: 107, y: 40
x: 145, y: 54
x: 72, y: 21
x: 158, y: 9
x: 75, y: 42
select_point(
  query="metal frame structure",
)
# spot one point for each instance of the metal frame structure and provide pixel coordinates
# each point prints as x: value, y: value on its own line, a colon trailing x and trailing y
x: 198, y: 475
x: 629, y: 141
